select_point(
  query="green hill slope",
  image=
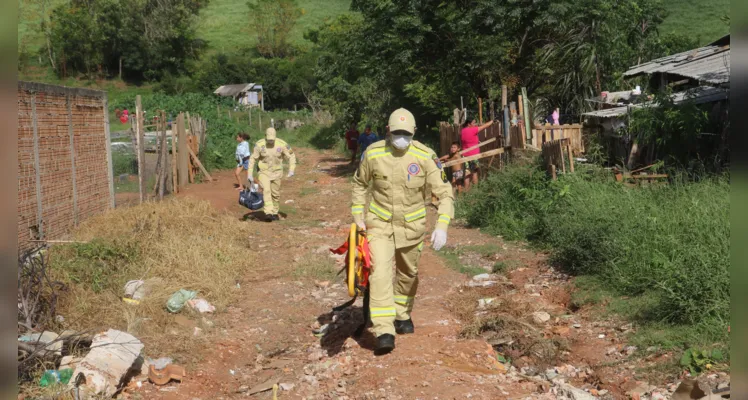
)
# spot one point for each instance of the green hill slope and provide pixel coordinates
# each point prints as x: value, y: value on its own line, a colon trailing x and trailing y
x: 698, y: 18
x: 224, y: 23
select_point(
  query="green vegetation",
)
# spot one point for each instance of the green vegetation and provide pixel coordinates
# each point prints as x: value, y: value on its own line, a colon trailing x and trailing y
x: 700, y: 19
x: 665, y: 247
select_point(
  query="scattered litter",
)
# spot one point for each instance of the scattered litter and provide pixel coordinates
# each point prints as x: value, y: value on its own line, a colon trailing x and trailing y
x: 577, y: 326
x: 321, y: 330
x: 263, y: 387
x: 573, y: 393
x: 52, y: 339
x: 287, y: 387
x: 166, y: 375
x: 160, y: 363
x: 289, y: 201
x: 60, y: 319
x: 112, y: 355
x: 482, y: 277
x: 232, y: 372
x: 483, y: 303
x: 177, y: 301
x: 51, y: 377
x: 541, y: 317
x: 201, y: 305
x: 601, y: 336
x: 197, y: 331
x: 131, y: 301
x: 481, y: 284
x: 135, y: 290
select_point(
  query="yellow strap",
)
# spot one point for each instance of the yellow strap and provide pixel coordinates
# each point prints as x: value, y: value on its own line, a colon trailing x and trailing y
x: 357, y: 209
x: 370, y: 155
x: 418, y: 214
x: 382, y: 213
x: 418, y: 153
x: 444, y: 218
x: 403, y: 300
x: 420, y: 246
x: 378, y: 312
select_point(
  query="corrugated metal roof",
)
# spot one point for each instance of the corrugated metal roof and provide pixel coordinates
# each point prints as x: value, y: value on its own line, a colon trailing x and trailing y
x: 699, y: 95
x: 709, y: 64
x: 234, y: 90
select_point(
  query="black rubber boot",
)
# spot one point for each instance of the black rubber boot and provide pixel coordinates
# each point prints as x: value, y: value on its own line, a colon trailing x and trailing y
x: 276, y: 217
x: 404, y: 327
x: 385, y: 344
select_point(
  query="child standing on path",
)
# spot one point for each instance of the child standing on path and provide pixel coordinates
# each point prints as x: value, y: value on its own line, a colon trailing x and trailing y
x: 242, y: 157
x: 458, y: 172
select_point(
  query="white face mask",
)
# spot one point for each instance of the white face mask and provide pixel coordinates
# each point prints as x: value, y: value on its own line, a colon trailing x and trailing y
x: 401, y: 142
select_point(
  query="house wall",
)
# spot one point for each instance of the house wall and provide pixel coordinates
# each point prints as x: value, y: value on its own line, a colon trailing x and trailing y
x: 64, y: 160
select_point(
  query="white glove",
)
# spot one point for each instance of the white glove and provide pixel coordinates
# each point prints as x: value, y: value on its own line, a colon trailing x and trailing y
x: 250, y: 179
x: 438, y: 239
x: 361, y: 226
x: 290, y: 174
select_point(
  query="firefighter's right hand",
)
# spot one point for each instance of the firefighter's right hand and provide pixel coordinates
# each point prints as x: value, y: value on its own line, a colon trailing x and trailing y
x: 361, y: 226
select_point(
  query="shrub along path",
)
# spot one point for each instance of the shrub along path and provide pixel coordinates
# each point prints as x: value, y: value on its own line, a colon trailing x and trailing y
x: 464, y: 326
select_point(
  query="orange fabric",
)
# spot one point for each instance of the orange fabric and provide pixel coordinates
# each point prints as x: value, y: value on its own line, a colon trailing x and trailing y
x: 363, y: 255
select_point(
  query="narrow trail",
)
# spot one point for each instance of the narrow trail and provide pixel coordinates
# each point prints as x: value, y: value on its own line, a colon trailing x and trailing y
x: 267, y: 335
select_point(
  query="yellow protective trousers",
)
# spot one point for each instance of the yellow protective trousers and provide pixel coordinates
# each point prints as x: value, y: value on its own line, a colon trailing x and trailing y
x: 385, y: 302
x: 270, y: 192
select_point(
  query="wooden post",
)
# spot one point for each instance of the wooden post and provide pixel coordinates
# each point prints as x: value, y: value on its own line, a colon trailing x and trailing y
x: 259, y: 114
x: 72, y: 158
x: 526, y: 114
x: 561, y: 155
x: 249, y: 111
x: 504, y: 96
x: 158, y: 159
x: 164, y: 157
x: 174, y: 183
x: 140, y: 142
x: 182, y: 155
x: 571, y: 158
x: 553, y: 172
x: 199, y: 164
x: 480, y: 110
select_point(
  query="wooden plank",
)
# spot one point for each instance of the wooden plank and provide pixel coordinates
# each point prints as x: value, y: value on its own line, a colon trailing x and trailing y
x: 473, y: 158
x: 553, y: 171
x: 559, y: 149
x: 526, y: 114
x: 175, y: 186
x: 140, y: 144
x: 190, y: 166
x: 491, y: 140
x: 182, y: 155
x: 159, y: 160
x: 72, y: 158
x: 37, y: 169
x: 199, y: 164
x: 504, y: 96
x: 164, y: 157
x: 571, y: 158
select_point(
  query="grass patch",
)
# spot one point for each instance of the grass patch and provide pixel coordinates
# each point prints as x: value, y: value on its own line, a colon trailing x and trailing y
x: 319, y: 267
x: 696, y: 18
x: 173, y: 244
x: 221, y: 22
x: 308, y: 190
x: 661, y: 251
x: 452, y: 258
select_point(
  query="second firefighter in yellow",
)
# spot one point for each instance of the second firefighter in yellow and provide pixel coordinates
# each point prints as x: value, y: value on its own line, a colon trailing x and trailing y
x: 394, y: 173
x: 268, y: 154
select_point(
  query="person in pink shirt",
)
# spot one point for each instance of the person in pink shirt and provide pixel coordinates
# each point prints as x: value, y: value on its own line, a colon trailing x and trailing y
x: 469, y: 138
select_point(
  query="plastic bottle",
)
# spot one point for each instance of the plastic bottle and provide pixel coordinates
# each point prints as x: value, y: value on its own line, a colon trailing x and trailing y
x: 51, y: 377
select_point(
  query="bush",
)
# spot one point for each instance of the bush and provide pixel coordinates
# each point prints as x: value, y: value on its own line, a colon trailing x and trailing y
x: 670, y: 242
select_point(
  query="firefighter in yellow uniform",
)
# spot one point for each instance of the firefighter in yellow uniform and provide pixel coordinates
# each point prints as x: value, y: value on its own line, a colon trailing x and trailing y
x: 268, y: 154
x: 394, y: 173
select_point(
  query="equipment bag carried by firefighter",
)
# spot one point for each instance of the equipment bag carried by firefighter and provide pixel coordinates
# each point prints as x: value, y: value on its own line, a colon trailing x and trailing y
x: 251, y: 198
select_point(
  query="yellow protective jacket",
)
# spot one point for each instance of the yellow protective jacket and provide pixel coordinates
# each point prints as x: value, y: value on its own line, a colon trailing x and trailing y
x: 270, y: 160
x: 398, y: 179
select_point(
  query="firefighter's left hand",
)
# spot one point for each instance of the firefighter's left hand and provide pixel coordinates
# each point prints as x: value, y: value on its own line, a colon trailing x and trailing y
x: 438, y: 239
x: 290, y: 174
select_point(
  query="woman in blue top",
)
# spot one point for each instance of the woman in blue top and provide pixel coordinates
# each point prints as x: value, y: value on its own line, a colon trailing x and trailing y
x: 242, y: 157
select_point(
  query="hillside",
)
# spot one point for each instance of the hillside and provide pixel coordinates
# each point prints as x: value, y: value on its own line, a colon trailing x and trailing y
x: 224, y: 22
x: 700, y: 18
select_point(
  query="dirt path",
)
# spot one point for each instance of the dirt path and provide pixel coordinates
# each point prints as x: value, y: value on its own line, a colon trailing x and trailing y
x: 267, y: 335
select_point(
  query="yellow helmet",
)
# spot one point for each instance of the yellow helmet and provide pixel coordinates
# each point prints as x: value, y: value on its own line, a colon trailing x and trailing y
x: 270, y: 134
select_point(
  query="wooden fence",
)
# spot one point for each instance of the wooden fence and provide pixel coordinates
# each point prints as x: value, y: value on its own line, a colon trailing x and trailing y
x: 555, y: 155
x: 545, y: 133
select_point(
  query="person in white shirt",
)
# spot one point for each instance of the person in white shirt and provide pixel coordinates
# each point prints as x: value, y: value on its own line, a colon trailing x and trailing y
x: 242, y: 157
